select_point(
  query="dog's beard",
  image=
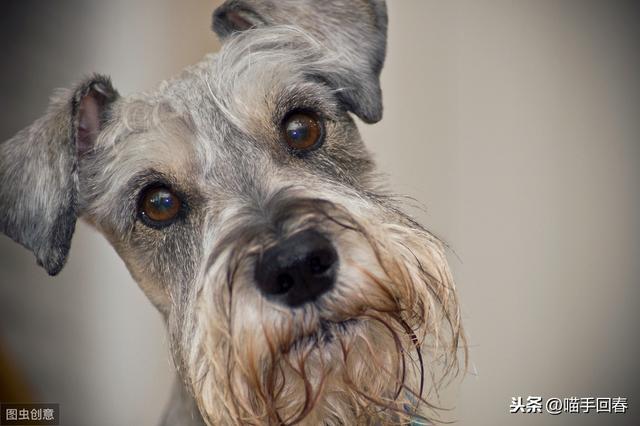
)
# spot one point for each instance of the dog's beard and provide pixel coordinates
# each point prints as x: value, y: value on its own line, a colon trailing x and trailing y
x: 368, y: 352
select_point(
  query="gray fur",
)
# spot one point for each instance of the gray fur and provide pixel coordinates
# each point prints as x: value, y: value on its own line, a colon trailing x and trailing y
x: 213, y: 135
x: 357, y: 29
x: 39, y: 179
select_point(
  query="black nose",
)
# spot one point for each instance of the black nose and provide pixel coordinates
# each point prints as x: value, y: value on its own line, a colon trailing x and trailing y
x: 299, y: 269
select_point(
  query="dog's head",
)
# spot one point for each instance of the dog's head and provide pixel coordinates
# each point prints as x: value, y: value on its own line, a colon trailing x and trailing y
x: 244, y: 203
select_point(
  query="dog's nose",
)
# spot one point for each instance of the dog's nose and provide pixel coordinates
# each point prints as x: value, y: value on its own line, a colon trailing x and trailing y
x: 299, y: 269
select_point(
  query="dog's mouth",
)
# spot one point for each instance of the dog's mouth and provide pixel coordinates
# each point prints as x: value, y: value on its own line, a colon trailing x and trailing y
x: 326, y: 333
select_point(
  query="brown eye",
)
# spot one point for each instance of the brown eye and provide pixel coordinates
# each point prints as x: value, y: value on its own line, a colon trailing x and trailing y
x: 159, y: 207
x: 302, y: 131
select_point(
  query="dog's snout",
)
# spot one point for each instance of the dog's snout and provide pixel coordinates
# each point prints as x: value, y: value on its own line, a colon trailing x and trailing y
x: 298, y: 269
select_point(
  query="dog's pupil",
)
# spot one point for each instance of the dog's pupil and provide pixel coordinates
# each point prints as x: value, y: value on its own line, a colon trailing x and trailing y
x: 161, y: 205
x: 302, y: 131
x: 298, y: 131
x: 162, y: 201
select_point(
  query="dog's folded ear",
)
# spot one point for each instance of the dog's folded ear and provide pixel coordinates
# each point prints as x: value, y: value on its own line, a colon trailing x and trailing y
x: 39, y: 171
x: 356, y: 30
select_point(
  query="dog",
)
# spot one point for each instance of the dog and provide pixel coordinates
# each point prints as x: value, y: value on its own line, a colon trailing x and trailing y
x: 245, y: 205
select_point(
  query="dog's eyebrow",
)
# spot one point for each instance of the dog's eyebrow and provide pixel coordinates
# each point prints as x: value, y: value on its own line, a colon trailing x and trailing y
x: 313, y: 95
x: 143, y: 178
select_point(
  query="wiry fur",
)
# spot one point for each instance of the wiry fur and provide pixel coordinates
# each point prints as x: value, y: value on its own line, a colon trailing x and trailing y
x: 371, y: 350
x: 359, y: 356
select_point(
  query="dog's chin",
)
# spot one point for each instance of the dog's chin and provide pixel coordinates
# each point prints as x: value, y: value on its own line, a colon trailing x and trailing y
x: 354, y: 367
x: 340, y: 371
x: 327, y: 333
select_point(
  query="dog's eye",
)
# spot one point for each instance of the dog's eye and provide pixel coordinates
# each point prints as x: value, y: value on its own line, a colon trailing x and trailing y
x: 159, y: 206
x: 302, y: 130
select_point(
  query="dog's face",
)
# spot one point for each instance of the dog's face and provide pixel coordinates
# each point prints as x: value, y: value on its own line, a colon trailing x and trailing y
x: 245, y: 204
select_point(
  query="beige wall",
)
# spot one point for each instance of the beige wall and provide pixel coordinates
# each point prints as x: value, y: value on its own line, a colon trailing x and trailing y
x: 517, y: 123
x: 514, y: 122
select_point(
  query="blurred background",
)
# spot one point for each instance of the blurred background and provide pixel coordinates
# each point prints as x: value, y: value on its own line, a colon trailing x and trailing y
x: 515, y: 122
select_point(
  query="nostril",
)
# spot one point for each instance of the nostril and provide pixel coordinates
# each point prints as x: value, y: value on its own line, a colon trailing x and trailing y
x: 320, y: 261
x: 284, y: 282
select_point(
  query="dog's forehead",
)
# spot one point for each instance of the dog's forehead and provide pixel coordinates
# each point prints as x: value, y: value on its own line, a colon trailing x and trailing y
x: 220, y: 118
x: 229, y: 98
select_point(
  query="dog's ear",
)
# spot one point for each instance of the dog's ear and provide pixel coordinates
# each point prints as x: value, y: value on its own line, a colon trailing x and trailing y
x: 38, y: 171
x: 357, y: 30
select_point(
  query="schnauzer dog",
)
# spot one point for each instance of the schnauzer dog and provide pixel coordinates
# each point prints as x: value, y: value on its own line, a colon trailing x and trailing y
x: 244, y: 203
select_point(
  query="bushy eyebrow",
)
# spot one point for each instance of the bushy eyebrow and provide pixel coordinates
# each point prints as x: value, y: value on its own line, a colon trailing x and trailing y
x: 311, y: 94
